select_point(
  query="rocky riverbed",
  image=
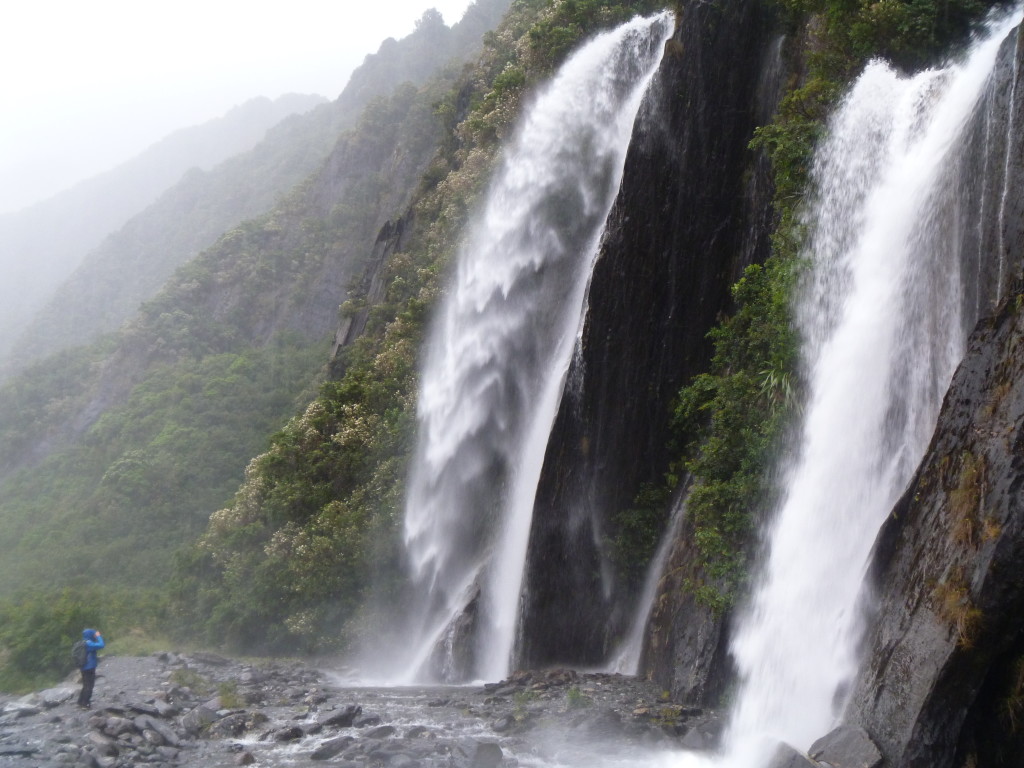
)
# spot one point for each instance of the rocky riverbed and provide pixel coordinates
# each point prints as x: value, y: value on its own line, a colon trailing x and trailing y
x: 203, y: 710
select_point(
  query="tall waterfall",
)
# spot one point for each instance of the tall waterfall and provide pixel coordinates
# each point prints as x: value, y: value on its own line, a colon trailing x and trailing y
x: 499, y: 351
x: 895, y: 228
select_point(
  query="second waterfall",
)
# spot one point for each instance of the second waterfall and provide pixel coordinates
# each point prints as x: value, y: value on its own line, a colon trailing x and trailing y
x: 499, y: 351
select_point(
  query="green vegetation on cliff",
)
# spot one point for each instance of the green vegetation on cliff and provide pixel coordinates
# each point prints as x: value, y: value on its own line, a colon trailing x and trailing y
x: 114, y: 455
x: 731, y: 420
x: 289, y: 565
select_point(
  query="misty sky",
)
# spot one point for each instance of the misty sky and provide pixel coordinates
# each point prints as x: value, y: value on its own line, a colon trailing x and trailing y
x: 86, y: 84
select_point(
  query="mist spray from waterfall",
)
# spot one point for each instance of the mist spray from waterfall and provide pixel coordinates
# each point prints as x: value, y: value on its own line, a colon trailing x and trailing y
x: 499, y: 351
x: 883, y: 323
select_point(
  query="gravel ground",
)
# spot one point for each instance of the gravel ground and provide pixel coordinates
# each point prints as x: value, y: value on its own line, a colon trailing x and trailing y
x: 204, y: 710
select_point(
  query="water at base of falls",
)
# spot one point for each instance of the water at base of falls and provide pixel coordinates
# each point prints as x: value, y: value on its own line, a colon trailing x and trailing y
x: 499, y: 352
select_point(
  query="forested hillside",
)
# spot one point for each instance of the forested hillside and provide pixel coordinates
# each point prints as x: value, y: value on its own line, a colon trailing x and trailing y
x: 116, y: 452
x: 134, y: 261
x: 43, y: 244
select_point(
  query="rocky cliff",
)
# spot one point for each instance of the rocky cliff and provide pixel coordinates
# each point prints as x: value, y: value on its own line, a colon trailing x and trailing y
x: 690, y: 215
x: 941, y: 681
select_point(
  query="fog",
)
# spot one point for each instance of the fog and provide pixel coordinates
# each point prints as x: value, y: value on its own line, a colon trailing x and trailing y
x: 85, y: 86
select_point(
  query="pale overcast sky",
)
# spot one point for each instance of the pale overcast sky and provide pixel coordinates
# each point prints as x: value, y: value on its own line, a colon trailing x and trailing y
x: 86, y: 84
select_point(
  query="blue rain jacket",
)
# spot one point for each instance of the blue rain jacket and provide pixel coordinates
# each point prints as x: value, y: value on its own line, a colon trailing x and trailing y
x: 92, y: 644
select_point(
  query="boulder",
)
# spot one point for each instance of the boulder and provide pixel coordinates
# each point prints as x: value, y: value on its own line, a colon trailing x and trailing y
x: 365, y: 721
x: 165, y: 708
x: 787, y: 757
x: 846, y: 747
x: 168, y: 734
x: 486, y: 755
x: 343, y: 718
x: 289, y: 733
x: 947, y: 600
x: 198, y: 719
x: 331, y: 747
x: 101, y: 745
x: 53, y: 697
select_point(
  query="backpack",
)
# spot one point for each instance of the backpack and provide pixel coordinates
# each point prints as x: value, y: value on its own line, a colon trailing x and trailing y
x: 78, y: 653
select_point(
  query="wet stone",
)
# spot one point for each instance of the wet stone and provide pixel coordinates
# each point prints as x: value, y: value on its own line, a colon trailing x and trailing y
x: 344, y: 718
x: 291, y: 733
x: 365, y: 721
x: 486, y: 755
x: 331, y: 747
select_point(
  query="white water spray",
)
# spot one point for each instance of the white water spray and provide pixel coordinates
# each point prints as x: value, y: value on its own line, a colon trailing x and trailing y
x: 883, y: 331
x: 500, y: 350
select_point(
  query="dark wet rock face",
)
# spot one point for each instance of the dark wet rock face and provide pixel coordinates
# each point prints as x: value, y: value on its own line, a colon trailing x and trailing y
x: 949, y: 598
x: 203, y: 711
x: 688, y: 218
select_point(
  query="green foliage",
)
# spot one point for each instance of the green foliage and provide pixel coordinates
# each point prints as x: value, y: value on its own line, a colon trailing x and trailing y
x: 734, y: 416
x: 229, y: 696
x: 38, y: 629
x: 145, y: 477
x: 288, y: 565
x: 910, y: 33
x: 639, y: 529
x: 189, y: 678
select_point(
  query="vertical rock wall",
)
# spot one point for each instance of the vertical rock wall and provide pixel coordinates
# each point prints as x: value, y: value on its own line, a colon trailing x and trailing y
x: 691, y: 213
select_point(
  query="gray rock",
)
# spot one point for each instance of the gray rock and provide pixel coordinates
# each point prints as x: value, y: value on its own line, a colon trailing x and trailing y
x: 487, y: 755
x: 503, y: 724
x: 381, y: 732
x: 331, y: 747
x: 946, y: 564
x: 846, y: 747
x: 343, y: 718
x: 365, y: 721
x: 165, y: 708
x: 210, y: 659
x: 101, y: 745
x: 116, y: 726
x: 231, y: 725
x: 787, y: 757
x: 21, y: 751
x: 290, y: 733
x: 167, y: 734
x: 144, y: 709
x: 198, y: 719
x: 52, y: 697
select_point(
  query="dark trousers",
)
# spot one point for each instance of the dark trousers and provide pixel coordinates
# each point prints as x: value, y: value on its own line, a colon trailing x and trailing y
x: 88, y: 681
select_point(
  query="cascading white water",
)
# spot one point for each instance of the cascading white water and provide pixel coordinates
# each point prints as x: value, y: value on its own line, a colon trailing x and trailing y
x: 883, y: 332
x: 626, y: 659
x: 500, y: 348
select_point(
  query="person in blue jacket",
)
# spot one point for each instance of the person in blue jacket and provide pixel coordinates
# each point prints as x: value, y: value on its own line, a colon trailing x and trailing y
x: 93, y: 642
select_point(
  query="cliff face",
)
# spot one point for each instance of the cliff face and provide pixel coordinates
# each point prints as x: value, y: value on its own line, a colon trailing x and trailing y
x: 950, y: 603
x: 940, y: 684
x: 689, y: 216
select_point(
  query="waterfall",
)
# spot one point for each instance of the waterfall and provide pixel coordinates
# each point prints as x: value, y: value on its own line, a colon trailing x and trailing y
x: 626, y: 660
x: 499, y: 350
x: 884, y: 317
